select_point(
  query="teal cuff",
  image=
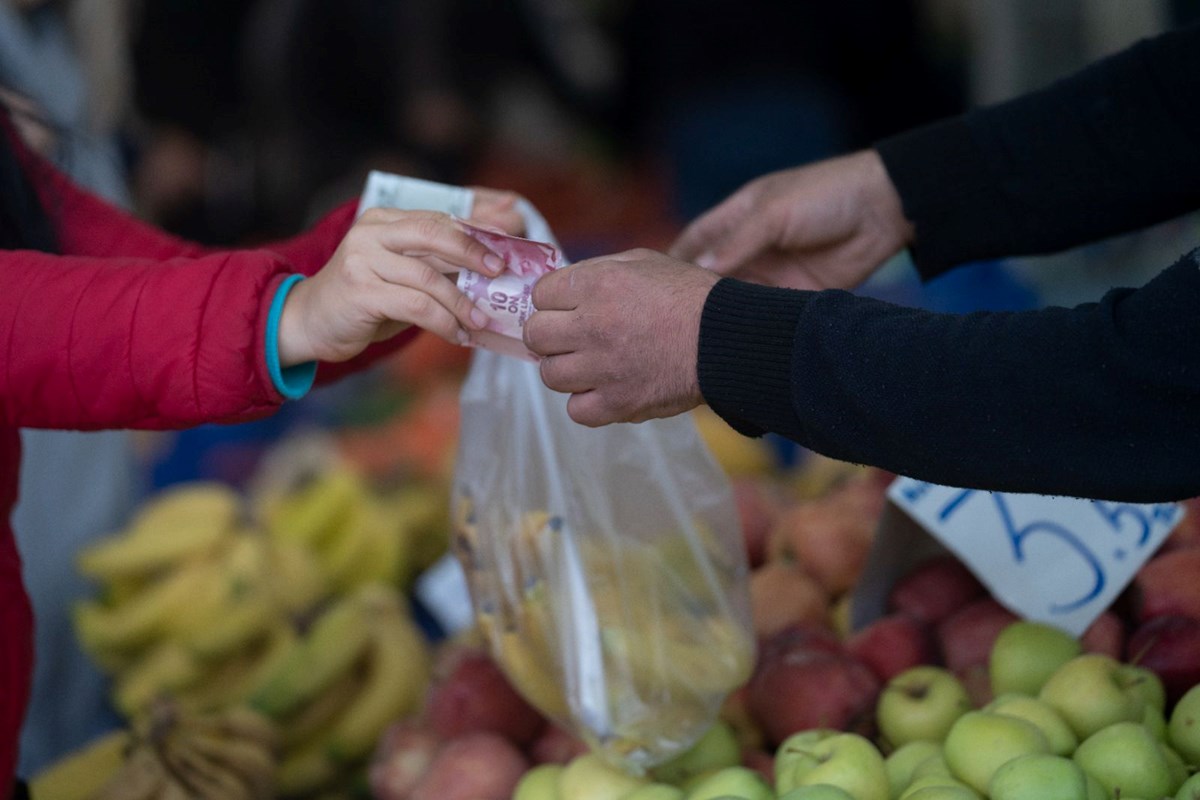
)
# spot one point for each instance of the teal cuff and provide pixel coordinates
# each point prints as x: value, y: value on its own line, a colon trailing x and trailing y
x: 295, y: 381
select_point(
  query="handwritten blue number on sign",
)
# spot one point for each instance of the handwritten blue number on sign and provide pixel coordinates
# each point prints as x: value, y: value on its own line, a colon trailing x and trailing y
x: 1018, y: 536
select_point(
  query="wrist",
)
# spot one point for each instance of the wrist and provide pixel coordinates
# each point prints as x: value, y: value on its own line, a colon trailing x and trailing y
x: 883, y: 200
x: 292, y: 342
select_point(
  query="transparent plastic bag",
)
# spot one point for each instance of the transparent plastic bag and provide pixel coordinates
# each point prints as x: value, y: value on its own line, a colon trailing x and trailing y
x: 606, y: 566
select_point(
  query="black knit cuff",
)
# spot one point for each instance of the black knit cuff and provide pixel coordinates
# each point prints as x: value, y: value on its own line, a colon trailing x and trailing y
x: 745, y: 357
x: 944, y: 188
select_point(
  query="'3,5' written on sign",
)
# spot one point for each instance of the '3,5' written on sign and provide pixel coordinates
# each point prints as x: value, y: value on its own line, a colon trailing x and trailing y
x: 1058, y: 560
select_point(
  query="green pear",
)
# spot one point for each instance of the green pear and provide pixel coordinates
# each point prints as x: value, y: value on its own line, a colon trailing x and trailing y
x: 589, y: 777
x: 539, y: 783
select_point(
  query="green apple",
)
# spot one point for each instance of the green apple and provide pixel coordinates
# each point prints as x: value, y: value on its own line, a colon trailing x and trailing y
x: 716, y: 749
x: 1026, y: 654
x: 794, y: 748
x: 1147, y: 685
x: 1155, y: 722
x: 934, y: 765
x: 901, y: 762
x: 1096, y: 790
x: 963, y: 792
x: 589, y: 777
x: 920, y: 703
x: 1183, y: 728
x: 539, y: 783
x: 1038, y: 776
x: 1179, y: 769
x: 941, y: 786
x: 740, y: 782
x: 1126, y: 758
x: 1092, y: 691
x: 654, y: 791
x: 1062, y: 739
x: 817, y: 791
x: 1190, y: 789
x: 981, y: 741
x: 846, y: 760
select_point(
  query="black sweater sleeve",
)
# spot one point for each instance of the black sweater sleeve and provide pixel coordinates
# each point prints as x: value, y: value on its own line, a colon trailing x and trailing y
x: 1099, y: 401
x: 1113, y: 148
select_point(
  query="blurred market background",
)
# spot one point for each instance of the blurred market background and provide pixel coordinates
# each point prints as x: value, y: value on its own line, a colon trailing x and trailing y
x: 235, y: 121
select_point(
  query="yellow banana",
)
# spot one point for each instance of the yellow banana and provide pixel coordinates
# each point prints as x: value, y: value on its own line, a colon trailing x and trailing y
x: 315, y: 718
x: 331, y: 646
x: 135, y: 623
x: 246, y: 723
x: 347, y: 550
x: 201, y: 777
x: 295, y: 576
x: 307, y: 770
x: 315, y: 510
x: 175, y: 525
x: 234, y: 679
x: 398, y: 672
x: 241, y: 624
x: 247, y: 760
x: 140, y: 778
x: 80, y: 774
x: 166, y: 670
x: 421, y: 513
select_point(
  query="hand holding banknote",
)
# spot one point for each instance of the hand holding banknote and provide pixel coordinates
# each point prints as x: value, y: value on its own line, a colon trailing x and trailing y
x: 620, y: 334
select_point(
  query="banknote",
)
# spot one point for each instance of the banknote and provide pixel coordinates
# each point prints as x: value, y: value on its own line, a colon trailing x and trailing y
x: 383, y: 189
x: 507, y: 298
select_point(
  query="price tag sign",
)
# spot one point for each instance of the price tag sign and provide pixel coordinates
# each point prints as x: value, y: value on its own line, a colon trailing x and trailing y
x: 1057, y: 560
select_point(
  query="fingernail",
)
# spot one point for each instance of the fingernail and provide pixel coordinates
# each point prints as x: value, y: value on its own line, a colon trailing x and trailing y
x: 478, y: 317
x: 463, y: 337
x: 493, y: 262
x: 707, y: 260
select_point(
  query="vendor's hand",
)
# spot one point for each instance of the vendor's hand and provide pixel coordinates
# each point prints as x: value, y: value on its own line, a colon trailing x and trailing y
x: 826, y: 225
x: 498, y: 209
x: 620, y: 334
x: 389, y: 272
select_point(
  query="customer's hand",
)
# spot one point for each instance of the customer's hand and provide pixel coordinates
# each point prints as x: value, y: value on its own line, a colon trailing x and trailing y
x: 620, y: 334
x: 392, y: 269
x: 826, y: 225
x: 498, y: 209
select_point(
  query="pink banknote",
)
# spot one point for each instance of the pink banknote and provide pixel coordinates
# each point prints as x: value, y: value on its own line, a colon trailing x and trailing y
x: 507, y: 298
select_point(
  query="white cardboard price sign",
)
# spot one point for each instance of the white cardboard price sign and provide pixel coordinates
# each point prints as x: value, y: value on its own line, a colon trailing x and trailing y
x: 1058, y: 560
x: 385, y: 190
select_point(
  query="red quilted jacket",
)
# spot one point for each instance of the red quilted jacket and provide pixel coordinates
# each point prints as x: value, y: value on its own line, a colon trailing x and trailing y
x: 127, y: 328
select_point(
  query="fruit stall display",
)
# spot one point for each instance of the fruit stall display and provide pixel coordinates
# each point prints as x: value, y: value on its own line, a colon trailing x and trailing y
x: 261, y: 644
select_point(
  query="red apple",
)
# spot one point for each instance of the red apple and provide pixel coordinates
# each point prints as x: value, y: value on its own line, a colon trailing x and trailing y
x: 800, y: 636
x: 1105, y: 635
x: 403, y: 756
x: 797, y: 688
x: 757, y: 507
x: 477, y: 696
x: 826, y: 542
x: 556, y: 745
x: 1167, y: 584
x: 965, y: 638
x: 892, y: 644
x: 761, y: 762
x: 1169, y: 646
x: 935, y: 589
x: 782, y: 594
x: 476, y: 766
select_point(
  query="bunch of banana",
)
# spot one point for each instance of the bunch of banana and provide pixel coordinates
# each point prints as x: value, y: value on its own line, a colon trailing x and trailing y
x: 361, y: 664
x: 170, y: 753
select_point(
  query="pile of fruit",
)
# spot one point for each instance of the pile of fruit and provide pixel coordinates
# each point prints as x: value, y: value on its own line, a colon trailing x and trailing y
x: 290, y: 601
